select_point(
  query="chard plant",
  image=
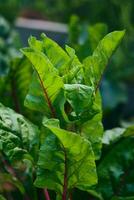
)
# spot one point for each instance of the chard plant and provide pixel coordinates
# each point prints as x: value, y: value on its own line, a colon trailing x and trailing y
x: 61, y: 154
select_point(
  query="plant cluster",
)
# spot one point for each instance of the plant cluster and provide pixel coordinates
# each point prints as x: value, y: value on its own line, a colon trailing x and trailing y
x: 61, y: 153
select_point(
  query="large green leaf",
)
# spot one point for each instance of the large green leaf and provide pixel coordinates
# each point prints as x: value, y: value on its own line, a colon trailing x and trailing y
x: 42, y: 98
x: 95, y: 65
x: 66, y: 154
x: 18, y: 136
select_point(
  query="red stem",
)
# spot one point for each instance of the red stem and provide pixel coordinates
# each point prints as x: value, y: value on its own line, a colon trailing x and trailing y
x: 47, y: 97
x: 64, y: 195
x: 53, y: 115
x: 46, y: 194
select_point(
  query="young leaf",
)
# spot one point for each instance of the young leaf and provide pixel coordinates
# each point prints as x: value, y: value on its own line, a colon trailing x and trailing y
x: 57, y: 56
x: 60, y: 57
x: 95, y: 65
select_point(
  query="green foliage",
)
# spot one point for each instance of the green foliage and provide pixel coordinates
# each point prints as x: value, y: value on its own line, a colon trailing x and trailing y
x: 47, y: 84
x: 65, y: 91
x: 115, y: 172
x: 78, y: 160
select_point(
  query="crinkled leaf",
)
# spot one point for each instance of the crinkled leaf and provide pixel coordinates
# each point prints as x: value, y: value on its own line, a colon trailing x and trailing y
x: 72, y: 149
x: 73, y: 72
x: 18, y: 136
x: 79, y: 96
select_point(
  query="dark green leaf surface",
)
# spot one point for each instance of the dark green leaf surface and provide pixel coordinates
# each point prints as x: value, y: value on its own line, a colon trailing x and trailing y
x: 115, y: 171
x: 18, y: 136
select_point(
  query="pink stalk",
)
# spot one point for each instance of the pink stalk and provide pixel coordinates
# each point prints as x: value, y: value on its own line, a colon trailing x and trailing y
x: 46, y: 194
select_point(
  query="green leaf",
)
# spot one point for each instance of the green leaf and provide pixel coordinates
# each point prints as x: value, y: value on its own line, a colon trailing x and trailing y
x: 60, y: 57
x: 18, y: 136
x: 92, y: 129
x: 49, y: 80
x: 79, y: 97
x: 73, y: 72
x: 115, y: 171
x: 95, y: 65
x: 51, y: 49
x: 72, y: 154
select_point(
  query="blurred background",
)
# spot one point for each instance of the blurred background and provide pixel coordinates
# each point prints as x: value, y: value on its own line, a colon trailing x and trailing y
x: 81, y: 24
